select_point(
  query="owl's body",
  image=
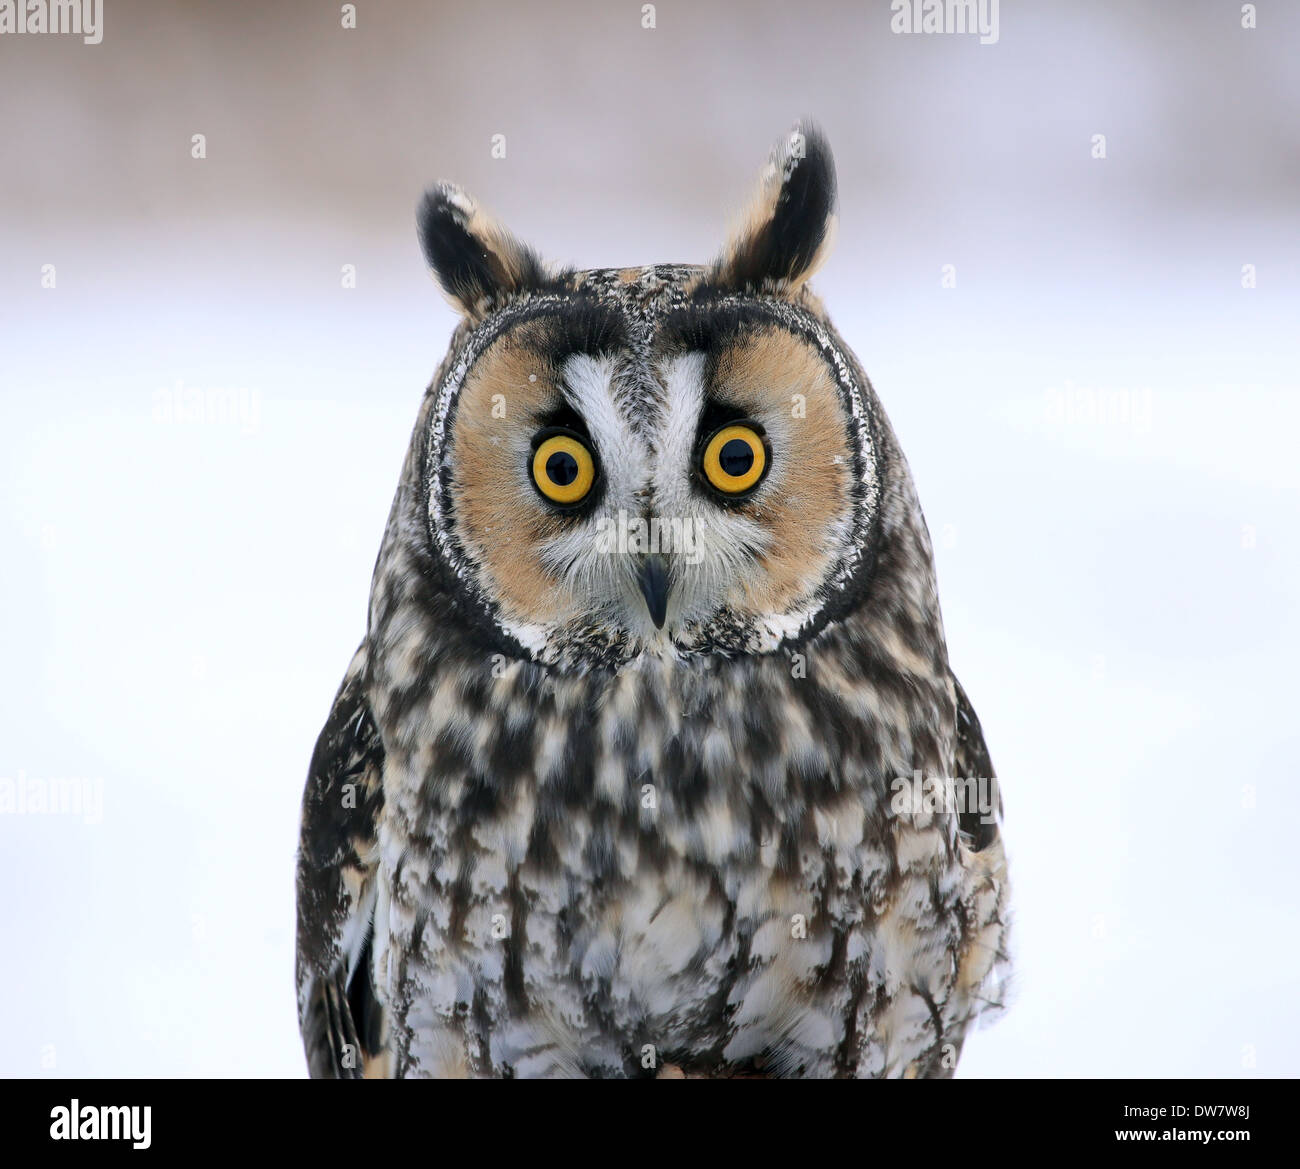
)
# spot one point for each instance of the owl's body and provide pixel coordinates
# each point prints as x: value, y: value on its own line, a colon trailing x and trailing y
x: 596, y: 806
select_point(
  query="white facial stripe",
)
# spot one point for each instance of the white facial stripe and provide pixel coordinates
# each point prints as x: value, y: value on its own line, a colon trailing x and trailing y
x: 603, y: 582
x: 588, y: 384
x: 683, y: 379
x: 724, y: 541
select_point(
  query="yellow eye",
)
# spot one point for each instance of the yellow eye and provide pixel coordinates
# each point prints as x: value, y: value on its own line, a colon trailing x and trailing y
x: 563, y: 469
x: 735, y: 459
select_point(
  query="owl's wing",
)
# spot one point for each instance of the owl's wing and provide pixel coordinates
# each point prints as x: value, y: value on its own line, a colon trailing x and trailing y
x: 973, y: 762
x: 342, y: 1023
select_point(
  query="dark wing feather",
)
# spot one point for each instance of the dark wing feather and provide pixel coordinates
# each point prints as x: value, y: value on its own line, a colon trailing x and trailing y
x: 342, y: 1023
x: 973, y: 763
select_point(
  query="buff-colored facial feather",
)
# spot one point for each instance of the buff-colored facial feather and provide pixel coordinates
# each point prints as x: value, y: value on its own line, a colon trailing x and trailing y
x: 501, y: 520
x: 760, y: 559
x: 782, y: 383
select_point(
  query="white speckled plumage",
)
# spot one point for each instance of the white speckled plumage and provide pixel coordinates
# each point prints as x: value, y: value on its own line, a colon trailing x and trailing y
x: 544, y: 835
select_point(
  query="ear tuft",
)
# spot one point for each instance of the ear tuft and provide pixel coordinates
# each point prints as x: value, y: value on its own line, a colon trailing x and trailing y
x: 478, y: 263
x: 787, y: 233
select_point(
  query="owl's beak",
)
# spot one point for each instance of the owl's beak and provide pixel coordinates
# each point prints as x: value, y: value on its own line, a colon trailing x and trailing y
x: 654, y: 587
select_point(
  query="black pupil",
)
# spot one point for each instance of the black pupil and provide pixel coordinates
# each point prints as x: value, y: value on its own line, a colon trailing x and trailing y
x: 561, y: 468
x: 736, y: 457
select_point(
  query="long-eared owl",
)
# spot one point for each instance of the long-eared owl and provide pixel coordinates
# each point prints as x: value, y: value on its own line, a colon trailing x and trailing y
x: 651, y: 762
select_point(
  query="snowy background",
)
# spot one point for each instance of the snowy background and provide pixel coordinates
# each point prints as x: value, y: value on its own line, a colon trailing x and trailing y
x: 1101, y: 419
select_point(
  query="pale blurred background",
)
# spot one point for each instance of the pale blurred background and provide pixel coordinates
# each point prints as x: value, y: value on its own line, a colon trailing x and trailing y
x: 1101, y: 419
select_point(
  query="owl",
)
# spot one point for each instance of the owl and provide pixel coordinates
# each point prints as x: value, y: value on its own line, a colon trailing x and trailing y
x: 651, y: 763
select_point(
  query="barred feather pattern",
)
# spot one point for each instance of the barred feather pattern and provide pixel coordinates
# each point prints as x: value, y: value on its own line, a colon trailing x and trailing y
x: 688, y: 861
x: 597, y: 861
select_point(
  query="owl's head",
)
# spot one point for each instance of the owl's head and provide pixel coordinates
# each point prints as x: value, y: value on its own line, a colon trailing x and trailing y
x: 671, y: 460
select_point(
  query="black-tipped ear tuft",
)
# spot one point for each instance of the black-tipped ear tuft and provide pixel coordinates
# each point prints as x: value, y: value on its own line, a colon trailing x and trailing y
x: 788, y: 231
x: 478, y: 263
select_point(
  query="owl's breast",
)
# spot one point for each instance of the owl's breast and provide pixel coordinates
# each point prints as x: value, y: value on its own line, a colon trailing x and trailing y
x: 644, y: 884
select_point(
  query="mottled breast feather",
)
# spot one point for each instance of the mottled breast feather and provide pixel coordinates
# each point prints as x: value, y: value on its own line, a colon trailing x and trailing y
x: 542, y: 841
